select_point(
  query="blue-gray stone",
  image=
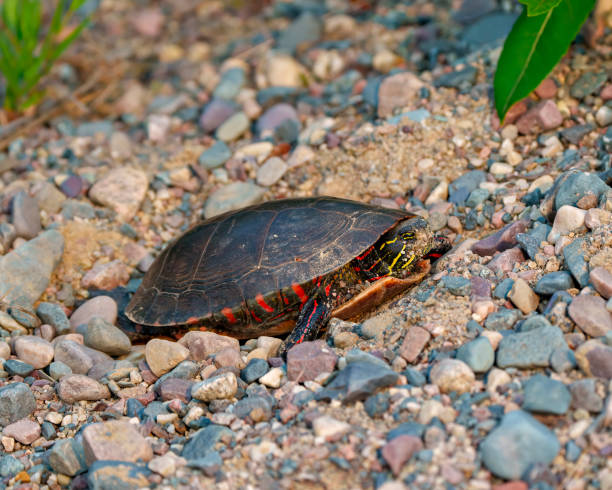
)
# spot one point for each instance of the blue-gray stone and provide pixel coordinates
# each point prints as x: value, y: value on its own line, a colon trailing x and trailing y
x: 588, y: 83
x: 53, y: 314
x: 272, y: 95
x: 573, y: 255
x: 575, y: 134
x: 554, y: 281
x: 370, y: 92
x: 306, y: 28
x: 357, y: 355
x: 232, y: 196
x: 457, y: 79
x: 503, y: 319
x: 418, y: 116
x: 459, y: 286
x: 287, y: 131
x: 532, y: 322
x: 516, y: 444
x: 152, y: 410
x: 215, y: 156
x: 25, y: 272
x: 67, y: 456
x: 530, y: 349
x: 576, y: 186
x: 545, y: 395
x: 47, y: 430
x: 476, y: 197
x: 16, y: 367
x: 232, y: 80
x: 10, y: 466
x: 503, y: 288
x: 184, y: 370
x: 357, y: 381
x: 489, y: 29
x: 477, y: 354
x: 92, y: 128
x: 71, y: 208
x: 209, y: 464
x: 205, y: 440
x: 415, y: 377
x: 585, y: 395
x: 376, y: 405
x: 562, y: 360
x: 406, y: 429
x: 460, y: 188
x: 57, y: 370
x: 572, y: 451
x: 530, y: 241
x: 473, y: 328
x: 16, y: 403
x: 117, y: 475
x: 261, y: 405
x: 254, y: 370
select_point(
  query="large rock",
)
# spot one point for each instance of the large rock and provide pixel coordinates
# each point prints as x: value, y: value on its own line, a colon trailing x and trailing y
x: 16, y: 403
x: 25, y: 272
x: 115, y: 440
x: 308, y: 360
x: 122, y: 189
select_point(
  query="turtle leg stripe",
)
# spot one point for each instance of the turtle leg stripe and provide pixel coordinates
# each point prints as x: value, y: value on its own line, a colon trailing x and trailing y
x: 262, y: 302
x: 297, y: 289
x: 313, y: 317
x: 227, y: 312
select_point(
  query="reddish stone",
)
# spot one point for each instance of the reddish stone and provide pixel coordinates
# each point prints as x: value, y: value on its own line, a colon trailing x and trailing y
x: 547, y: 89
x: 602, y: 280
x: 308, y: 360
x: 25, y: 431
x: 590, y: 314
x: 415, y: 340
x: 511, y: 485
x: 399, y: 450
x: 506, y: 260
x: 500, y: 240
x: 176, y: 389
x: 481, y: 288
x: 543, y: 117
x: 203, y: 344
x: 115, y: 440
x: 606, y: 92
x: 106, y: 276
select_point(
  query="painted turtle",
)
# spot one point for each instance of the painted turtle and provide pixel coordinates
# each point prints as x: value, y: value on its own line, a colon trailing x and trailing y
x: 282, y: 266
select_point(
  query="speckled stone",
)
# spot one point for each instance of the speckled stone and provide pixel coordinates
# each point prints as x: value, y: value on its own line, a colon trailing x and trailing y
x: 530, y: 349
x: 452, y: 375
x: 546, y: 395
x: 115, y: 440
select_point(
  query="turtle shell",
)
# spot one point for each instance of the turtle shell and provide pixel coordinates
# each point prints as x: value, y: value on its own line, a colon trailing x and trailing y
x: 225, y: 262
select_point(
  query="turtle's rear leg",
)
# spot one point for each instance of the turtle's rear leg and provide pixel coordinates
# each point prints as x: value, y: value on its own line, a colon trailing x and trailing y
x: 314, y: 315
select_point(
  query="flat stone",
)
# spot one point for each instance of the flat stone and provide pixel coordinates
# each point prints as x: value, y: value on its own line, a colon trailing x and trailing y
x: 216, y: 113
x: 215, y: 156
x: 79, y: 357
x: 122, y: 189
x: 307, y: 28
x: 49, y: 198
x: 546, y: 395
x: 452, y: 375
x: 233, y: 127
x: 256, y: 408
x: 588, y: 83
x: 217, y: 387
x: 568, y: 219
x: 529, y: 349
x: 24, y: 431
x: 573, y: 255
x: 57, y: 370
x: 34, y: 350
x: 477, y: 354
x: 106, y: 276
x: 203, y: 344
x: 584, y: 395
x: 25, y: 272
x: 163, y: 355
x: 232, y: 196
x: 77, y: 387
x: 17, y: 368
x: 500, y: 240
x: 67, y: 457
x: 16, y: 402
x: 254, y: 370
x: 271, y: 171
x: 232, y: 80
x: 206, y: 441
x: 330, y: 428
x: 104, y: 475
x: 104, y: 307
x: 503, y: 319
x: 105, y: 337
x: 274, y: 117
x: 506, y: 260
x: 25, y: 216
x: 399, y: 90
x: 554, y: 281
x: 543, y: 117
x: 308, y: 360
x: 595, y: 359
x: 414, y: 342
x: 602, y: 280
x: 357, y: 381
x: 115, y: 440
x: 53, y: 314
x: 523, y: 296
x: 516, y: 443
x: 399, y: 450
x: 590, y: 314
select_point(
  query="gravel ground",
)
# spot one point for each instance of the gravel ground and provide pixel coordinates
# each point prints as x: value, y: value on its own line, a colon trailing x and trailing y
x: 493, y: 372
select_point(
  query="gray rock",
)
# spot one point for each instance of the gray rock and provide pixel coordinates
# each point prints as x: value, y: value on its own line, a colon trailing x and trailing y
x: 257, y: 408
x: 26, y: 271
x: 16, y: 402
x: 215, y: 156
x: 67, y: 457
x: 533, y: 322
x: 254, y: 370
x: 233, y: 196
x: 562, y: 360
x: 357, y: 381
x: 530, y: 349
x: 117, y: 475
x: 503, y: 319
x: 105, y: 337
x: 10, y: 466
x: 233, y: 127
x: 459, y: 286
x: 357, y: 355
x: 54, y: 315
x: 306, y: 28
x: 477, y: 354
x: 546, y: 395
x: 573, y: 255
x: 25, y: 215
x: 576, y: 186
x: 554, y: 281
x: 517, y: 443
x: 460, y: 188
x: 232, y: 80
x: 57, y: 370
x: 585, y: 396
x: 205, y: 441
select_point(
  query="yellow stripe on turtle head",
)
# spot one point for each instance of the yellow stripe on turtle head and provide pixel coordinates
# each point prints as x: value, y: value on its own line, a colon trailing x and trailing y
x: 388, y: 243
x: 392, y: 265
x: 410, y: 260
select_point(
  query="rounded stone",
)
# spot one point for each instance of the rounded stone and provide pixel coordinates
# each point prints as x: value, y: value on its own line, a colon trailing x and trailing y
x: 163, y: 355
x: 217, y: 387
x: 76, y: 387
x: 477, y: 354
x: 452, y: 375
x: 233, y: 127
x: 590, y: 314
x: 34, y: 350
x: 271, y: 171
x: 101, y: 306
x: 105, y: 337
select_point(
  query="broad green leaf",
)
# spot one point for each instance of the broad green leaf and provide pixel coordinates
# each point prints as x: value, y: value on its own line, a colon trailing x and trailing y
x: 537, y: 7
x: 10, y: 13
x: 533, y: 48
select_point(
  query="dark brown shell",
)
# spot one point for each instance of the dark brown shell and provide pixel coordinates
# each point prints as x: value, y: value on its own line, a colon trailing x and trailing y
x: 229, y: 259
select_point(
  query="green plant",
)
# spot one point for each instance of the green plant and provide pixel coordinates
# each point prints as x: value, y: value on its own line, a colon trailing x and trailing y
x: 28, y: 50
x: 538, y: 40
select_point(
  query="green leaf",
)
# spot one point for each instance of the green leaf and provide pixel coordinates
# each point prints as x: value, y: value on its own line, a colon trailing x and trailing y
x: 533, y: 48
x: 538, y: 7
x: 10, y: 14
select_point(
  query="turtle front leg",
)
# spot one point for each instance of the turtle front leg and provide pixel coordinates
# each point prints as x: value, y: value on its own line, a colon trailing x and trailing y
x: 314, y: 315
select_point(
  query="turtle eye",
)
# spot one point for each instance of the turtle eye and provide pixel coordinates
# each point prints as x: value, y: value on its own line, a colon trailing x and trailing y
x: 408, y: 235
